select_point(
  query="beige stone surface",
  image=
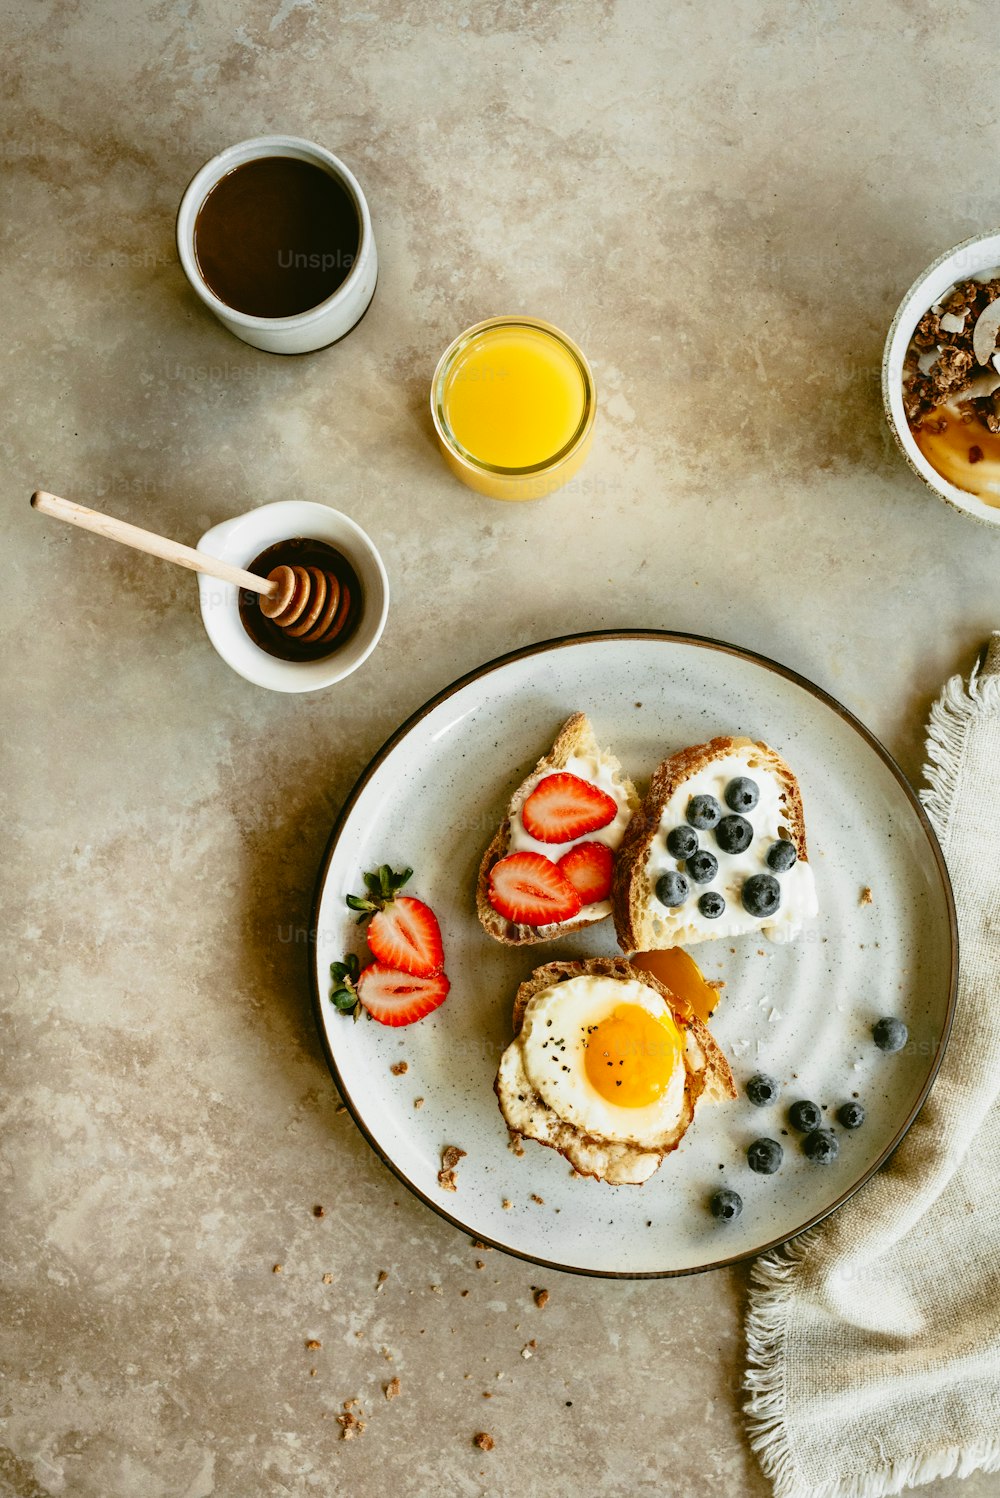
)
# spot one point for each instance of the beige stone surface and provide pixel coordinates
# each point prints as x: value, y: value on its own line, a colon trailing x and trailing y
x: 723, y: 204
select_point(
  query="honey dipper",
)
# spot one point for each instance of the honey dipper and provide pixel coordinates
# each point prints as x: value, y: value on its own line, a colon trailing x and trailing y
x: 307, y: 603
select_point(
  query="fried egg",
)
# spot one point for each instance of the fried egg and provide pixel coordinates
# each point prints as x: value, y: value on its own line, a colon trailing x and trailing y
x: 603, y: 1071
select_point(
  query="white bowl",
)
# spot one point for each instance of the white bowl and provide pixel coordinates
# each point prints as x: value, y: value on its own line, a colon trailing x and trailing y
x: 971, y: 258
x: 320, y: 325
x: 241, y: 540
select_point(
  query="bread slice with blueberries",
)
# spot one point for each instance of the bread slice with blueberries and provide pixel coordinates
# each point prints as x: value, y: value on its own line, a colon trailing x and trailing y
x: 548, y: 870
x: 717, y: 849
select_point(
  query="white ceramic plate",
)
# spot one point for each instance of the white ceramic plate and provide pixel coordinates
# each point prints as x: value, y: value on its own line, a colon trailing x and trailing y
x: 432, y: 798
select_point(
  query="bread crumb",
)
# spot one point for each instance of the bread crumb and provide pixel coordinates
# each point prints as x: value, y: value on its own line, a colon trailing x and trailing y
x: 541, y: 1299
x: 539, y: 1199
x: 319, y: 1211
x: 418, y: 1102
x: 391, y: 1390
x: 350, y: 1425
x: 383, y: 1275
x: 450, y: 1156
x: 866, y: 897
x: 487, y: 1394
x: 480, y: 1264
x: 328, y: 1279
x: 312, y: 1344
x: 463, y: 1293
x: 437, y: 1290
x: 312, y: 1372
x: 277, y: 1268
x: 506, y: 1204
x: 528, y: 1349
x: 514, y: 1142
x: 483, y: 1440
x: 400, y: 1068
x: 386, y: 1354
x: 486, y: 1247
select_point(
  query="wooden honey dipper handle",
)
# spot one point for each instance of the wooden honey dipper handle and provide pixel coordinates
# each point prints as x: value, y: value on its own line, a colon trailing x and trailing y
x: 140, y: 540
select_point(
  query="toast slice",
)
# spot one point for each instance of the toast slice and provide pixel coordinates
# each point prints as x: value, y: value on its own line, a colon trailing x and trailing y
x: 648, y: 913
x: 577, y: 752
x: 707, y: 1078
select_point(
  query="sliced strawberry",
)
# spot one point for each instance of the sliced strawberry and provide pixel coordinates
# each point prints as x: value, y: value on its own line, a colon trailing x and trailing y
x: 529, y: 890
x: 563, y: 807
x: 406, y: 936
x: 588, y: 868
x: 395, y: 998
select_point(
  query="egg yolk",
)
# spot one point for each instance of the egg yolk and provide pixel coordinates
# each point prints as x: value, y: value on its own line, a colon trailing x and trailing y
x: 631, y: 1055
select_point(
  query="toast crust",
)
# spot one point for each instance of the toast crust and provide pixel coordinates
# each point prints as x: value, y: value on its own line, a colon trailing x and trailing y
x: 575, y: 737
x: 631, y: 889
x: 714, y: 1083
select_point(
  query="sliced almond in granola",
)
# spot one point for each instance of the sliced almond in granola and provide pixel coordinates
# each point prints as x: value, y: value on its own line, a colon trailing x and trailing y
x: 984, y: 334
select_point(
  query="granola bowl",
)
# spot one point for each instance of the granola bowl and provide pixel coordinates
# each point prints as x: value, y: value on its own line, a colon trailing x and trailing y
x: 954, y: 431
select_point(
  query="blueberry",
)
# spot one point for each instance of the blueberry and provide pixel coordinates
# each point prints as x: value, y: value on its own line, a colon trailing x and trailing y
x: 851, y: 1115
x: 742, y: 794
x: 703, y: 812
x: 702, y: 866
x: 805, y: 1116
x: 761, y: 895
x: 682, y: 841
x: 764, y: 1156
x: 711, y: 904
x: 762, y: 1089
x: 890, y: 1034
x: 734, y: 834
x: 726, y: 1205
x: 781, y: 856
x: 672, y: 889
x: 821, y: 1146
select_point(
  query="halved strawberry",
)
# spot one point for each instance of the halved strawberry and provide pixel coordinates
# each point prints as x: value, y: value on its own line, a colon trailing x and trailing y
x: 406, y: 935
x: 588, y: 867
x: 403, y: 933
x: 563, y: 807
x: 395, y: 998
x: 529, y: 890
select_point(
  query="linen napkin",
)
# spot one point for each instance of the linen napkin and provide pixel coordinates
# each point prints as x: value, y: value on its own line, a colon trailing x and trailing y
x: 874, y: 1340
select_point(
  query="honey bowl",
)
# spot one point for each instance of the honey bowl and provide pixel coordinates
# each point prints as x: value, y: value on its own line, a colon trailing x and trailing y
x: 299, y: 531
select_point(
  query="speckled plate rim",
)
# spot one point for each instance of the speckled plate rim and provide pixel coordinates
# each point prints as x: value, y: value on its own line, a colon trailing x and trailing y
x: 704, y: 642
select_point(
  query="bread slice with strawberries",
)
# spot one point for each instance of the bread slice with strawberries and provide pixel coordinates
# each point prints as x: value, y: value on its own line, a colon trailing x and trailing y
x: 548, y: 871
x: 717, y: 850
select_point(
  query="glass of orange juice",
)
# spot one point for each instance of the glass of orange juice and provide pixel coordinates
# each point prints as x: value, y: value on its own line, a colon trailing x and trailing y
x: 513, y: 404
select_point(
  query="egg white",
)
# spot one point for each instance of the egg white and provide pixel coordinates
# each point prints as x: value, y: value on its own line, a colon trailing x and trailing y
x: 552, y: 1045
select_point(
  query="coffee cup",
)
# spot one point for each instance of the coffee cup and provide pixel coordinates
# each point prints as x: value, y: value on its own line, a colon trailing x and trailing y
x: 231, y: 226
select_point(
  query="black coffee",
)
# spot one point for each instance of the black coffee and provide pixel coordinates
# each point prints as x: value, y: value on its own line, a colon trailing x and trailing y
x: 276, y: 236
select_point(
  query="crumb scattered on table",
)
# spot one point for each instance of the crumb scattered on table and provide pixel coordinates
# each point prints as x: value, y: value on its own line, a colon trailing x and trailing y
x: 480, y: 1264
x: 328, y: 1279
x: 539, y: 1199
x: 400, y: 1068
x: 391, y: 1390
x: 483, y: 1440
x: 528, y: 1348
x: 866, y: 897
x: 277, y: 1268
x: 541, y: 1299
x: 506, y: 1204
x: 418, y: 1102
x: 319, y: 1211
x: 312, y: 1344
x: 383, y: 1275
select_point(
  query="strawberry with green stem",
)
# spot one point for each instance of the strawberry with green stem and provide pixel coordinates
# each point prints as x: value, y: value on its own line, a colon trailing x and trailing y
x: 403, y: 933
